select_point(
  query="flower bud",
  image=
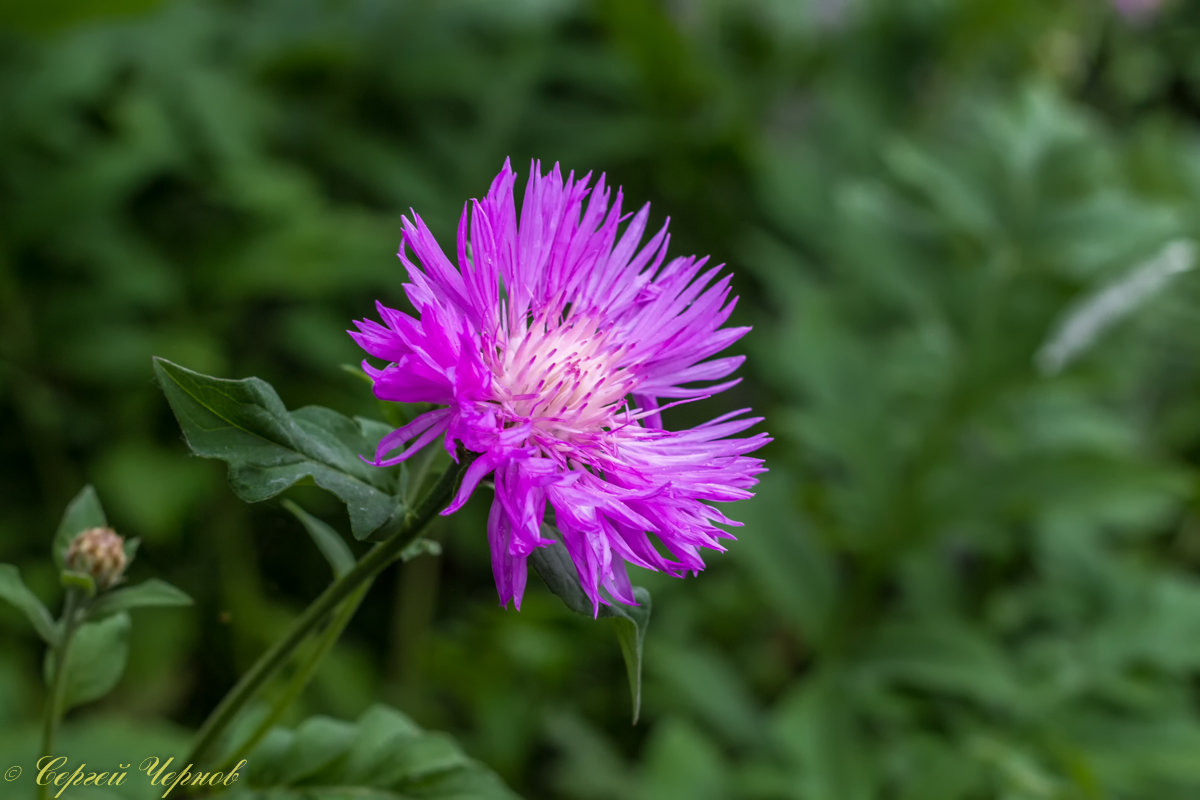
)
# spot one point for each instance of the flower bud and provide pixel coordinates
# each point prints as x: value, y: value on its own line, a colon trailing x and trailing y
x: 98, y: 552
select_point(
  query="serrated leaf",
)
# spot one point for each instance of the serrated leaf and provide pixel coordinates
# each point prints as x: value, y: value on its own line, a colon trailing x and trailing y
x: 95, y: 660
x: 153, y: 593
x: 268, y: 448
x: 83, y: 512
x: 383, y: 754
x: 554, y: 565
x: 14, y: 590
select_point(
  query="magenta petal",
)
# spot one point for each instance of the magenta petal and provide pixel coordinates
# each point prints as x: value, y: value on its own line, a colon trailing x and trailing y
x: 471, y: 478
x: 424, y: 429
x: 499, y: 533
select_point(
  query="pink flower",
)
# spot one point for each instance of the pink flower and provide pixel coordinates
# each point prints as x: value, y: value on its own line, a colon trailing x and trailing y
x: 549, y: 347
x: 1138, y: 10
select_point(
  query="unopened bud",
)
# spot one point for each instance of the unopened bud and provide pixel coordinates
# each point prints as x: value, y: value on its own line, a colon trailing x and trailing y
x: 98, y: 552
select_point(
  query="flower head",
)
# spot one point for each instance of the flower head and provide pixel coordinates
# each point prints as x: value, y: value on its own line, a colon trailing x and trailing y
x: 99, y: 552
x: 549, y: 348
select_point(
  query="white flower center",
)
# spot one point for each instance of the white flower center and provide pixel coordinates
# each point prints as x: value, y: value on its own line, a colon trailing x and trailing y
x: 563, y: 376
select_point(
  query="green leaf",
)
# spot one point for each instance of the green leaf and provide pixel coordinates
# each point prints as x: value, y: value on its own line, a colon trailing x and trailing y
x: 83, y: 512
x: 14, y: 590
x: 131, y: 549
x: 383, y: 755
x: 268, y: 449
x: 334, y: 548
x: 95, y: 660
x: 631, y: 622
x: 153, y: 593
x: 556, y: 569
x: 327, y: 540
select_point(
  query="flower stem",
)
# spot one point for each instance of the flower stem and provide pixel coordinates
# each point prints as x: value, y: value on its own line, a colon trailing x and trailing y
x: 56, y: 702
x: 304, y: 674
x: 374, y: 562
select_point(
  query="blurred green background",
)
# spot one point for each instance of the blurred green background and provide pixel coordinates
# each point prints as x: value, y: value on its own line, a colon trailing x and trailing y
x: 961, y: 230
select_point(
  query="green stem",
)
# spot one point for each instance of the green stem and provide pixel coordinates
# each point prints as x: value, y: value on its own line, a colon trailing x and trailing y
x: 58, y: 688
x: 304, y: 674
x: 374, y: 562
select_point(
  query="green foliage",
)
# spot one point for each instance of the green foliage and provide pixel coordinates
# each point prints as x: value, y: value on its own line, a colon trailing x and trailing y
x: 83, y: 512
x: 971, y: 571
x: 554, y: 566
x: 383, y: 754
x: 88, y: 646
x: 153, y: 593
x: 327, y: 540
x: 270, y: 449
x: 95, y: 660
x: 14, y: 591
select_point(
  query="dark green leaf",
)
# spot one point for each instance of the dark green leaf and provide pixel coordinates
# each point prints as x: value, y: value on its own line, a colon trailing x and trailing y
x: 95, y: 660
x: 335, y: 550
x: 131, y: 549
x: 554, y: 565
x: 327, y: 540
x: 150, y: 594
x: 556, y: 569
x: 14, y: 590
x: 383, y: 755
x: 83, y: 512
x: 631, y: 622
x: 268, y: 449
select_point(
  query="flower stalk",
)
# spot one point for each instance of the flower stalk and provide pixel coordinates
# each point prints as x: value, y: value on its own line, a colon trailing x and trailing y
x: 304, y: 673
x: 73, y: 607
x: 370, y: 565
